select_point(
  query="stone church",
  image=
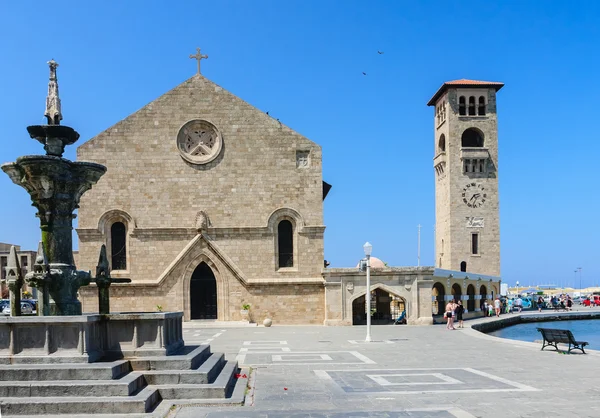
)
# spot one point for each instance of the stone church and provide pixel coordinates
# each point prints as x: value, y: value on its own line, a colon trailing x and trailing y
x: 209, y: 204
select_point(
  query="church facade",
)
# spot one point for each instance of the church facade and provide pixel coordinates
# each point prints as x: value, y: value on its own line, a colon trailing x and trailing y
x: 209, y: 205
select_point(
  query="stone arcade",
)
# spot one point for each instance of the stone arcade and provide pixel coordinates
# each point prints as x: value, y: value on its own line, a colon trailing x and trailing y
x: 209, y: 203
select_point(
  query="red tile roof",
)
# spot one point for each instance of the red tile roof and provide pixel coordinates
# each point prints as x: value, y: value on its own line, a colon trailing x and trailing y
x: 463, y: 83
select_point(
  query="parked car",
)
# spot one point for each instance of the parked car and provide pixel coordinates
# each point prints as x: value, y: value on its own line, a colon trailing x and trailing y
x: 3, y: 303
x: 26, y: 309
x: 32, y: 302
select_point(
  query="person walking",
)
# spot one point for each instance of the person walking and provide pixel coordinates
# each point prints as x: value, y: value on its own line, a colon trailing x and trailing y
x: 497, y: 307
x: 448, y: 315
x: 460, y: 310
x: 485, y: 308
x: 540, y: 303
x: 519, y: 304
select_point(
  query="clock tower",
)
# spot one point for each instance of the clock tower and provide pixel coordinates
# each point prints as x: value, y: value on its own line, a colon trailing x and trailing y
x: 466, y: 176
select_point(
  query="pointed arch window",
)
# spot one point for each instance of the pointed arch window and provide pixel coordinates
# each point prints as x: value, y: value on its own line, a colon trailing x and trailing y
x: 442, y: 143
x: 462, y: 106
x: 118, y: 246
x: 285, y: 237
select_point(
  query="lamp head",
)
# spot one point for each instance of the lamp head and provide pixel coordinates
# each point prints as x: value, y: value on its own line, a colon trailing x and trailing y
x: 368, y: 248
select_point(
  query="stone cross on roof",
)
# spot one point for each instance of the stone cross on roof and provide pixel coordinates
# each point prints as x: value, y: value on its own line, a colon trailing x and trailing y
x: 198, y: 56
x: 53, y: 111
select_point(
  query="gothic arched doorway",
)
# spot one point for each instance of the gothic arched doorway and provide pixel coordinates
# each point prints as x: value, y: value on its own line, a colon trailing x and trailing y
x: 203, y: 293
x: 439, y: 292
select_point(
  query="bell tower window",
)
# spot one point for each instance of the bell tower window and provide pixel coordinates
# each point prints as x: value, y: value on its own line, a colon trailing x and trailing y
x: 472, y: 106
x: 481, y: 108
x: 442, y: 143
x: 462, y: 106
x: 472, y: 138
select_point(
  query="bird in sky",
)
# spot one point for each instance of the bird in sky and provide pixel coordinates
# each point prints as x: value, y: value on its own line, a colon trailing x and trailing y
x: 364, y: 73
x: 380, y: 52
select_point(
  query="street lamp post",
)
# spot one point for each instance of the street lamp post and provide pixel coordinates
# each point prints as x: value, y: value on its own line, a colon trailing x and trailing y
x: 580, y: 288
x: 517, y: 288
x: 368, y: 248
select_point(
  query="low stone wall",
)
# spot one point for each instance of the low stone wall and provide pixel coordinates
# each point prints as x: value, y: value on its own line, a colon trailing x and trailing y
x: 506, y: 321
x: 88, y: 338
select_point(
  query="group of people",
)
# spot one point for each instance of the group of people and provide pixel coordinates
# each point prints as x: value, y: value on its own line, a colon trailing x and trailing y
x: 563, y: 301
x: 495, y: 307
x: 454, y: 312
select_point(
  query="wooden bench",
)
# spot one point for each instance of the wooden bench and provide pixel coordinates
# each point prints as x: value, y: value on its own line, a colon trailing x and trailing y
x: 552, y: 337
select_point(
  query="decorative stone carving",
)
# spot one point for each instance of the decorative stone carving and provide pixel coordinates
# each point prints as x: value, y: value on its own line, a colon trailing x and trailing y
x: 350, y: 287
x: 53, y: 109
x: 14, y: 277
x: 202, y: 221
x: 302, y: 159
x: 199, y: 141
x: 474, y: 222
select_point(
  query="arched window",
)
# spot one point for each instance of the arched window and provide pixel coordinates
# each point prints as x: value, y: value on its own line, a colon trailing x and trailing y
x: 472, y: 106
x: 285, y: 234
x: 472, y: 138
x: 462, y: 106
x: 118, y: 243
x: 463, y: 266
x: 442, y: 143
x: 481, y: 108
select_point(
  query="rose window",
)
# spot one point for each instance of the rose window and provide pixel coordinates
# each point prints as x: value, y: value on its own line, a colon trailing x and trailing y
x: 199, y: 141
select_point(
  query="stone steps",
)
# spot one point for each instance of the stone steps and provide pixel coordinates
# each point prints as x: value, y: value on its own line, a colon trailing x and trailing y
x: 190, y: 357
x: 144, y: 401
x: 218, y: 389
x: 43, y: 372
x: 193, y: 375
x: 125, y: 386
x: 206, y: 373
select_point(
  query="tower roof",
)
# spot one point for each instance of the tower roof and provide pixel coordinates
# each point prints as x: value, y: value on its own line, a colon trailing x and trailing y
x: 463, y: 83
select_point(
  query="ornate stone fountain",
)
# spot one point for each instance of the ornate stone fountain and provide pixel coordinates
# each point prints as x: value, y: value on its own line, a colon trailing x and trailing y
x: 55, y: 185
x: 144, y: 362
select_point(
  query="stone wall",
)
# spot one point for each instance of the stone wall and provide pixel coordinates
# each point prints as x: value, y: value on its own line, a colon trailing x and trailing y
x: 344, y: 285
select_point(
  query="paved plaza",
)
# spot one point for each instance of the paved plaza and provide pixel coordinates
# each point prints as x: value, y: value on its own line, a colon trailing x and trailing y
x: 407, y: 371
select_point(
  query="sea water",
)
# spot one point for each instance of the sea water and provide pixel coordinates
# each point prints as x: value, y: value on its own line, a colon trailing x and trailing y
x: 583, y: 330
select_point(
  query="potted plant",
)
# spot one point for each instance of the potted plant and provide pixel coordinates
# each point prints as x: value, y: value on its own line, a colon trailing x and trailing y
x: 245, y: 311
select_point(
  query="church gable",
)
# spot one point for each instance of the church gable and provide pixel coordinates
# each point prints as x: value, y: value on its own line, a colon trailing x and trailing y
x: 159, y: 156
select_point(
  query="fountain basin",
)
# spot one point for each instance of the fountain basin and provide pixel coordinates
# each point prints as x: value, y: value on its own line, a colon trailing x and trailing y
x: 89, y: 338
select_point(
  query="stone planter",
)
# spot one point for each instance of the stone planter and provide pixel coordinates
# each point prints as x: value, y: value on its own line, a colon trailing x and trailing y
x: 245, y: 314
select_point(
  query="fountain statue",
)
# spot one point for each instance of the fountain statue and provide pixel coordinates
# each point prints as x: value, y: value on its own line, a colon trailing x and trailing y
x: 55, y: 185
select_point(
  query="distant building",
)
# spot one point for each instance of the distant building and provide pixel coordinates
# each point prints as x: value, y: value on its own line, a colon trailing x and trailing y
x: 26, y: 260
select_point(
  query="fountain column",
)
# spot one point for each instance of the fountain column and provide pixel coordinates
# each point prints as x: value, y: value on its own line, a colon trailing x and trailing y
x: 55, y: 186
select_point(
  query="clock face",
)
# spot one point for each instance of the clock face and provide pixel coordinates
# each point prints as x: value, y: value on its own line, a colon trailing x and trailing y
x: 474, y: 195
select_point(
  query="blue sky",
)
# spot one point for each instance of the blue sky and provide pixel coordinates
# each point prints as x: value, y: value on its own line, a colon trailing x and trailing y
x: 303, y: 62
